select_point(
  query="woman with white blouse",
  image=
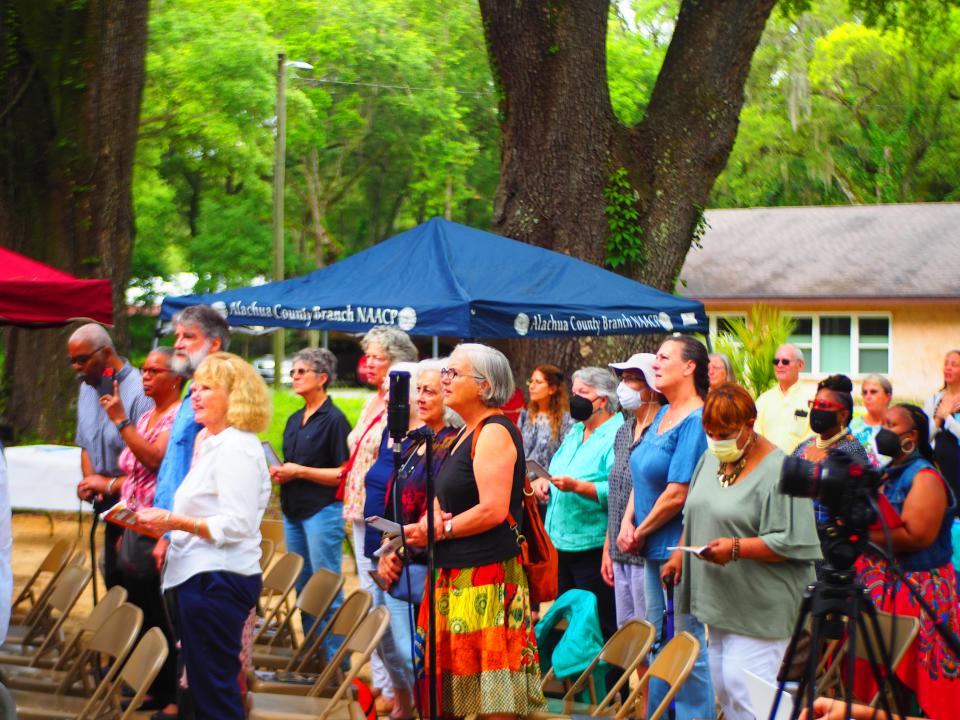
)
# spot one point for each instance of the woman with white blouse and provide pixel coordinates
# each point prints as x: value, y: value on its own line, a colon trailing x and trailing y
x: 213, y: 563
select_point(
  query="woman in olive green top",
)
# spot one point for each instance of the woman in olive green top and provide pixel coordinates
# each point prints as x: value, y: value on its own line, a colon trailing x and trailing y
x: 759, y: 549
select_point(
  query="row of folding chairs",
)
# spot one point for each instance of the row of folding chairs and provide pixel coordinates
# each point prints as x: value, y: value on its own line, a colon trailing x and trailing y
x: 626, y: 650
x: 52, y: 675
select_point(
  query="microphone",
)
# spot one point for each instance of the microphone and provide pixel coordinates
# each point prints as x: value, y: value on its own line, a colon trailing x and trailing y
x: 398, y: 406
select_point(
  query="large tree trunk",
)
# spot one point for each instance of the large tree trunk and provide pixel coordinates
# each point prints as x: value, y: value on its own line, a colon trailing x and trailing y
x: 562, y: 141
x: 69, y: 109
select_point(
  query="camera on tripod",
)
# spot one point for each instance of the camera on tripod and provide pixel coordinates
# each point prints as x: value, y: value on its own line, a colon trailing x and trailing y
x: 845, y: 487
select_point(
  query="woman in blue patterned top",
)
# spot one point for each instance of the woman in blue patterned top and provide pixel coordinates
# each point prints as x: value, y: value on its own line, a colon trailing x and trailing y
x: 876, y: 392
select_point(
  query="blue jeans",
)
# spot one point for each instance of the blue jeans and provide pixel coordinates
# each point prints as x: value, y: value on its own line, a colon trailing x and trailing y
x: 319, y: 539
x: 695, y: 699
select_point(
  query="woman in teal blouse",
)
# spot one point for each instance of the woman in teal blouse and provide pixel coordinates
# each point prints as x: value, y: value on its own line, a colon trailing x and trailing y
x: 577, y: 490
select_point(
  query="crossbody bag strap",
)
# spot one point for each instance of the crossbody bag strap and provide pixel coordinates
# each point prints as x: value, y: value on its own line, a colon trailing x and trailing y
x: 511, y: 521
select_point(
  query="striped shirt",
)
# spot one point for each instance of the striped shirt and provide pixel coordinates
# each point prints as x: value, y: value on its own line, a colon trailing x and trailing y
x: 619, y: 488
x: 96, y: 433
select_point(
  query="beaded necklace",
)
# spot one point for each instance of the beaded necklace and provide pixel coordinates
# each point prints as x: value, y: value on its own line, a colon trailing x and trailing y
x: 727, y: 479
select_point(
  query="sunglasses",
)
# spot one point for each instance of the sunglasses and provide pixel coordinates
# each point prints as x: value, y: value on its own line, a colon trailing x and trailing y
x: 297, y: 372
x: 823, y: 405
x: 84, y: 359
x: 781, y: 361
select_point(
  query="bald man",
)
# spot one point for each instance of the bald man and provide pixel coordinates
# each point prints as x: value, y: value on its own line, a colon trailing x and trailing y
x: 92, y: 354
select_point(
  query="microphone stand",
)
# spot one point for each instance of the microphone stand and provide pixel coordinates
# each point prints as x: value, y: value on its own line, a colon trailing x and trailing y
x: 424, y: 434
x: 431, y: 584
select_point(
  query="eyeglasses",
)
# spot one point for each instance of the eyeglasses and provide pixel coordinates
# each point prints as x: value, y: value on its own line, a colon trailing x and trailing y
x: 781, y: 361
x: 823, y: 405
x: 453, y: 374
x: 297, y: 372
x: 84, y: 359
x: 153, y: 371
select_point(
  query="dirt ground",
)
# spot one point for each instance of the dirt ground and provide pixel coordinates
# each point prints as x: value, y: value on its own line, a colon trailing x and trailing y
x: 35, y: 533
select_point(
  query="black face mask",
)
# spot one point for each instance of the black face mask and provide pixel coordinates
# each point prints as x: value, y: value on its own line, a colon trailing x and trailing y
x: 822, y: 420
x: 888, y: 443
x: 580, y: 408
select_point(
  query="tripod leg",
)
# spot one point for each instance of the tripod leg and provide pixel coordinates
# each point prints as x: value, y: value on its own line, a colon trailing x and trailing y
x: 791, y: 650
x: 808, y: 686
x: 881, y: 661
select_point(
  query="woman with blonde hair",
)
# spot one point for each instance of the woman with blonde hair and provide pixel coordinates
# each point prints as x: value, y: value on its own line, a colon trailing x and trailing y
x: 213, y: 562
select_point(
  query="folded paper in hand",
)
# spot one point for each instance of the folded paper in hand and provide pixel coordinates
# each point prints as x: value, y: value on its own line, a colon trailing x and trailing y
x: 120, y: 514
x: 698, y: 551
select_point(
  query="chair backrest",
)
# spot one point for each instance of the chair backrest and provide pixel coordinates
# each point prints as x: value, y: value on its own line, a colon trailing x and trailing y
x: 141, y: 669
x: 626, y: 649
x: 138, y: 673
x: 70, y: 584
x: 283, y: 574
x: 267, y: 549
x: 344, y: 621
x: 896, y: 634
x: 319, y: 593
x: 53, y: 563
x: 112, y: 640
x: 274, y: 598
x: 114, y: 598
x: 273, y: 530
x: 673, y: 665
x: 361, y: 642
x: 902, y: 630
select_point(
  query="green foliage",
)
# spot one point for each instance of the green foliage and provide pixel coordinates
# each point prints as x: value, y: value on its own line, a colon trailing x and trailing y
x: 625, y: 241
x: 286, y: 402
x: 752, y: 343
x: 635, y: 53
x: 839, y: 111
x: 394, y: 124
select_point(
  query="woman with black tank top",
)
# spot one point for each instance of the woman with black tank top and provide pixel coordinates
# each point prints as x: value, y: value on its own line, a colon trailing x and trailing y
x: 487, y: 659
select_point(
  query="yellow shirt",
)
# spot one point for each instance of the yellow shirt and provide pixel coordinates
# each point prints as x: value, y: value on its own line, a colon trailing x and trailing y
x: 783, y: 418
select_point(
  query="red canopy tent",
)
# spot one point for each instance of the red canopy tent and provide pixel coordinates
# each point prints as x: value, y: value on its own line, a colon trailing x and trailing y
x: 34, y: 294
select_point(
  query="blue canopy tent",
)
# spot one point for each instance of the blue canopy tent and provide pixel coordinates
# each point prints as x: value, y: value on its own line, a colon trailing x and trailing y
x: 442, y: 278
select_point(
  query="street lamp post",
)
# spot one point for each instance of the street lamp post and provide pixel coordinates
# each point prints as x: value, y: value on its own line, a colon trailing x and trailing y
x: 279, y: 175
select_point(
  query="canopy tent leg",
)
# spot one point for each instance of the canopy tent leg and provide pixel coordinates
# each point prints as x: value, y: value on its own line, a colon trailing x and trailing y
x: 436, y: 347
x: 326, y: 339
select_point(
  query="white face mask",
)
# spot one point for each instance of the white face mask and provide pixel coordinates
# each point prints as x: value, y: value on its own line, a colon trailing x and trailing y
x: 629, y: 398
x: 726, y: 450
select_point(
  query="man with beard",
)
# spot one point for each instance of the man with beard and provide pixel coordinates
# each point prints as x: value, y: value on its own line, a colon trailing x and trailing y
x: 102, y: 372
x: 199, y: 330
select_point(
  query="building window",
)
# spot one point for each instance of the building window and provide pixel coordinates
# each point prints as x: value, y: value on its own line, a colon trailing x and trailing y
x: 849, y: 344
x: 720, y: 324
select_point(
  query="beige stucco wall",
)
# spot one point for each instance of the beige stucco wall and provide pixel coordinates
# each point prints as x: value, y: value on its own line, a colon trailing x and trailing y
x: 921, y: 335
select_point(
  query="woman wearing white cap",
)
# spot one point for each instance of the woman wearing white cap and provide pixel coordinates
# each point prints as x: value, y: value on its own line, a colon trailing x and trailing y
x: 641, y: 401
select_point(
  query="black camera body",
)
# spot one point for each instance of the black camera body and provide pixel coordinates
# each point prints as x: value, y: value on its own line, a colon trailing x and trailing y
x: 846, y: 487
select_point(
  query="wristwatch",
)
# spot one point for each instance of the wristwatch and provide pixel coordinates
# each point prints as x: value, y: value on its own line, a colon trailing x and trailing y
x: 448, y: 528
x: 122, y: 424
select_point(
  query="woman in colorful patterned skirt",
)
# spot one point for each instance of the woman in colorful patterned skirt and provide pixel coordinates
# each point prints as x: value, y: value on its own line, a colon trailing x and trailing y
x: 487, y: 659
x: 922, y: 548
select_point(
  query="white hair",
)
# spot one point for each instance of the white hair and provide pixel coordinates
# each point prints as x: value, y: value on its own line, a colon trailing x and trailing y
x: 94, y: 334
x: 797, y: 352
x: 451, y: 417
x: 603, y: 383
x: 493, y: 366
